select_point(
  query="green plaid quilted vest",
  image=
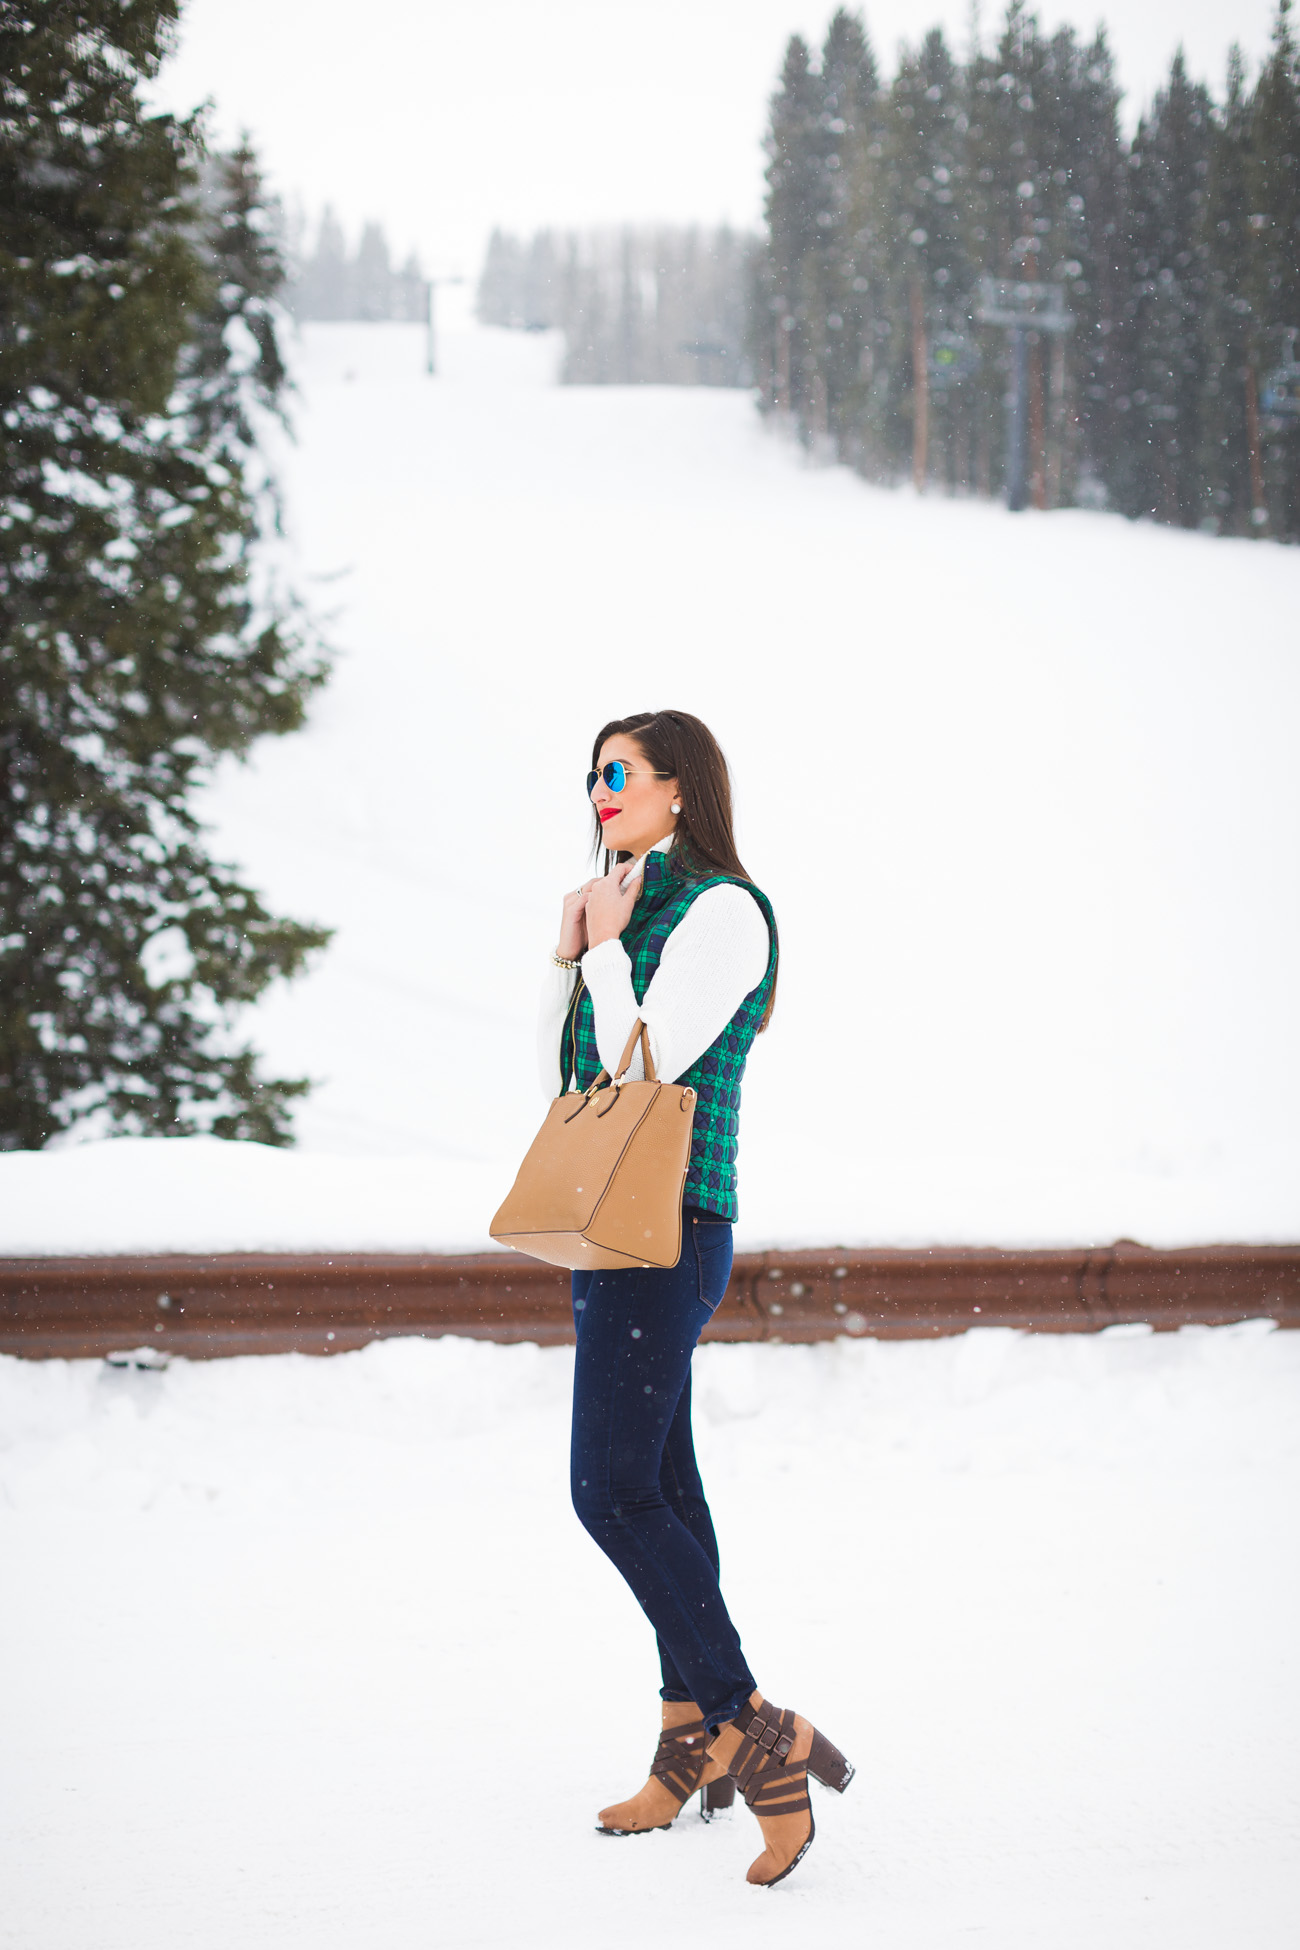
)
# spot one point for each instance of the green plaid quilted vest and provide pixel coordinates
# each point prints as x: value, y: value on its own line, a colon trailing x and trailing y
x: 715, y: 1076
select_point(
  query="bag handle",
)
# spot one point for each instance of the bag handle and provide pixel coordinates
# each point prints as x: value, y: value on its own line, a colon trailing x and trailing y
x: 651, y: 1076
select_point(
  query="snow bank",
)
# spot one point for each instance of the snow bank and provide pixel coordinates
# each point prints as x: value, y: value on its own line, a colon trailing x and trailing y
x: 197, y: 1195
x: 297, y: 1640
x: 1022, y: 788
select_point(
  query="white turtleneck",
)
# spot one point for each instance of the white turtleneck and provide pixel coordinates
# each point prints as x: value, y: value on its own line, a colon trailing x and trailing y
x: 715, y: 955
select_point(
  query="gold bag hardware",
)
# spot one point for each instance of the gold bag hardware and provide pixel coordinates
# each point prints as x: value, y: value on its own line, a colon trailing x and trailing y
x: 602, y: 1182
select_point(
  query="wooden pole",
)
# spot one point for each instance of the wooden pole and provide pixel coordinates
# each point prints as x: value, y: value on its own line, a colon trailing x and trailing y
x: 920, y: 391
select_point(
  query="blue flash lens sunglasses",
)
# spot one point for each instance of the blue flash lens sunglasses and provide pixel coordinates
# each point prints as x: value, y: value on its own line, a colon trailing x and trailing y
x: 616, y: 776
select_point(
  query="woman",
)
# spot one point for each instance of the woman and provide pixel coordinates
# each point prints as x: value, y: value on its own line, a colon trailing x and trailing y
x: 673, y: 932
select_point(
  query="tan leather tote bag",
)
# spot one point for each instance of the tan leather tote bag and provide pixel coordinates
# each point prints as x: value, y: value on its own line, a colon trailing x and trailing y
x: 602, y: 1181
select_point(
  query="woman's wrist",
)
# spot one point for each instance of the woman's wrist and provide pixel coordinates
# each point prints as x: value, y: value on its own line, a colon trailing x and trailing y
x: 565, y: 961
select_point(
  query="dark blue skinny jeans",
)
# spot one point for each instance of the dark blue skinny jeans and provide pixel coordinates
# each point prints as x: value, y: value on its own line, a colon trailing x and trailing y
x: 636, y: 1484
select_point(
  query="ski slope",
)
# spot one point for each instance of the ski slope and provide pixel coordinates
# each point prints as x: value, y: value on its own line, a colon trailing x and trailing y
x: 312, y: 1655
x: 1022, y: 789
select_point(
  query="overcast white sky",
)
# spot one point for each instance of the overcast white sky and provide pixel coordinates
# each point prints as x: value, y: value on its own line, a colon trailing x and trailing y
x: 442, y: 118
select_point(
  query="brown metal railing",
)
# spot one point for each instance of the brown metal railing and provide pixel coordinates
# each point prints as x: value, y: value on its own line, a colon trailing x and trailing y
x: 269, y: 1303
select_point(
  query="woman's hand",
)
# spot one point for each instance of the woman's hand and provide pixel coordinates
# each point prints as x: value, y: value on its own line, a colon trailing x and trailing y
x: 608, y: 908
x: 573, y: 924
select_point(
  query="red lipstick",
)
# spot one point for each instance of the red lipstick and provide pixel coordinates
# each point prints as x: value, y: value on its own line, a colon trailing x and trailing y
x: 608, y: 812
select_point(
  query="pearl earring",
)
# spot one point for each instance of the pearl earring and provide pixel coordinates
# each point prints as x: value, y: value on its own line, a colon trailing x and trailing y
x: 675, y: 807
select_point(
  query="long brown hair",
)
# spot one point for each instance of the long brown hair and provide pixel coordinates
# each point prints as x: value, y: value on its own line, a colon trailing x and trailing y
x: 683, y: 748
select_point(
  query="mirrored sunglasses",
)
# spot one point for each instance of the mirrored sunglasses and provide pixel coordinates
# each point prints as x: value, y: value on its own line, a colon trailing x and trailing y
x: 616, y: 776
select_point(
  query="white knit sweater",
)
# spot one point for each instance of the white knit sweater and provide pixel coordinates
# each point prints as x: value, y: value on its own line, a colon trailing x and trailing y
x: 712, y: 959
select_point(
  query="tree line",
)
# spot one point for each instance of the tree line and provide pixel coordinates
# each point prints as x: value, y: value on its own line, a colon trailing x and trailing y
x: 638, y: 305
x: 1175, y: 392
x: 142, y: 633
x: 332, y: 281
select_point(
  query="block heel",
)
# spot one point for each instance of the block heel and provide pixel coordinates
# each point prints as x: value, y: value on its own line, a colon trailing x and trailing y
x: 716, y: 1796
x: 828, y: 1764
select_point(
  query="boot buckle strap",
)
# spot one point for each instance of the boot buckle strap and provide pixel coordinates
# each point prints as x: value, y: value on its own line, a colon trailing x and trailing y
x: 767, y: 1735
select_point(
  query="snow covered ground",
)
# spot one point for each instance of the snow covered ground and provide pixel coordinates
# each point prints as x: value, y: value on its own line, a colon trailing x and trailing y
x: 1022, y: 788
x: 313, y: 1652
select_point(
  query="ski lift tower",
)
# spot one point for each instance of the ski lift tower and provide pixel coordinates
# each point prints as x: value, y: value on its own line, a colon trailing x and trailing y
x: 1021, y: 308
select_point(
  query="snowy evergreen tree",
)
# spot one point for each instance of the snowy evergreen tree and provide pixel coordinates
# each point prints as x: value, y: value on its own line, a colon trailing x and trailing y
x: 138, y: 359
x: 839, y: 279
x: 1170, y: 240
x: 1225, y: 416
x: 1045, y: 204
x: 373, y: 275
x: 1089, y: 256
x: 324, y: 286
x: 1273, y: 277
x: 408, y: 291
x: 495, y: 299
x: 796, y: 196
x: 932, y: 281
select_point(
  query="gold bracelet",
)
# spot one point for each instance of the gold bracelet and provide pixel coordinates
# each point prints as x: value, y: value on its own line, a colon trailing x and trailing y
x: 560, y: 962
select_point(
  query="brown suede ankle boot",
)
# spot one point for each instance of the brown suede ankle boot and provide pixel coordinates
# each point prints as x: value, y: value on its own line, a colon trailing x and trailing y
x: 769, y: 1753
x: 680, y: 1766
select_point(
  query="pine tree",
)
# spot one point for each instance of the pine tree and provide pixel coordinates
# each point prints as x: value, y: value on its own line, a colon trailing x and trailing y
x: 519, y: 284
x: 1016, y: 207
x: 408, y: 289
x: 238, y: 247
x: 494, y: 301
x: 868, y: 413
x: 325, y: 284
x: 1092, y: 261
x: 836, y: 287
x: 1168, y: 183
x: 137, y: 360
x: 373, y: 275
x: 1273, y: 275
x: 539, y: 285
x: 932, y: 280
x: 796, y: 181
x: 1225, y: 459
